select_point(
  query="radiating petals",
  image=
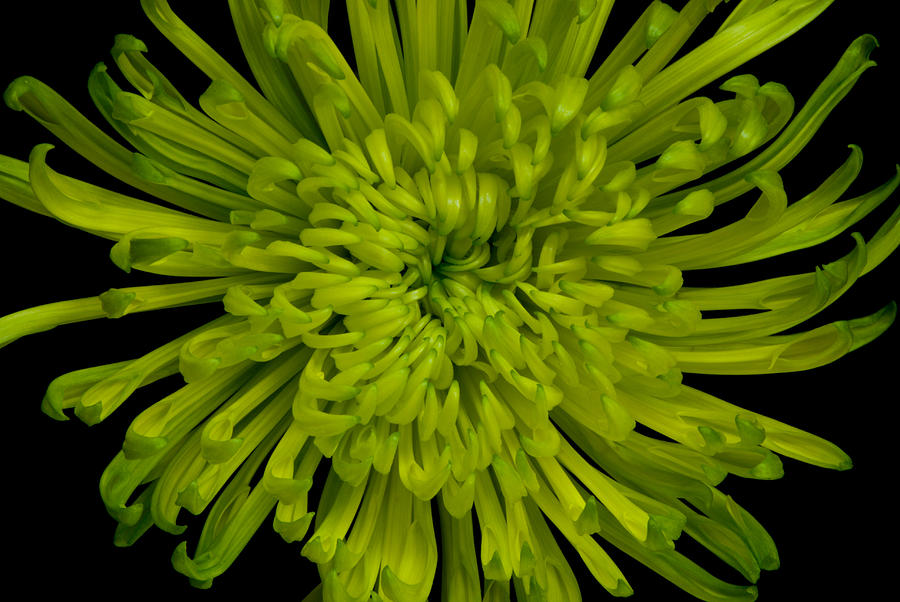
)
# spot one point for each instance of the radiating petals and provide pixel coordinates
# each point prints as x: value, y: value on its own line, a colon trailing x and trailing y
x: 454, y: 275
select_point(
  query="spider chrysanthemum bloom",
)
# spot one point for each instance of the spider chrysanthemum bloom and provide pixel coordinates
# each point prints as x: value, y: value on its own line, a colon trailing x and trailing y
x: 454, y: 279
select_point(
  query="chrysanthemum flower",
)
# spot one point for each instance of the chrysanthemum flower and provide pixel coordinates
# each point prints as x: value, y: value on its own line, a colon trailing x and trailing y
x: 453, y: 281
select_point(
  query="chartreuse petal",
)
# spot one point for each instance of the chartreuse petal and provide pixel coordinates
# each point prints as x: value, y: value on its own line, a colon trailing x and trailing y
x: 852, y: 64
x: 15, y: 187
x: 273, y: 77
x: 232, y: 521
x: 727, y: 49
x: 115, y: 303
x: 202, y: 55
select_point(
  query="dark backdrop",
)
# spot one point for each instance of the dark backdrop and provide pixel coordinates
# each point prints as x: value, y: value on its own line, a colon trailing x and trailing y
x: 830, y: 527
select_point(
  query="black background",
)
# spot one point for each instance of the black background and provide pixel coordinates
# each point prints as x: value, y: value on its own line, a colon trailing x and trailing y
x: 834, y: 530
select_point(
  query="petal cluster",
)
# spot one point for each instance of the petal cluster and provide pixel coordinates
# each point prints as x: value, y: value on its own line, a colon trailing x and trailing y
x: 453, y: 285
